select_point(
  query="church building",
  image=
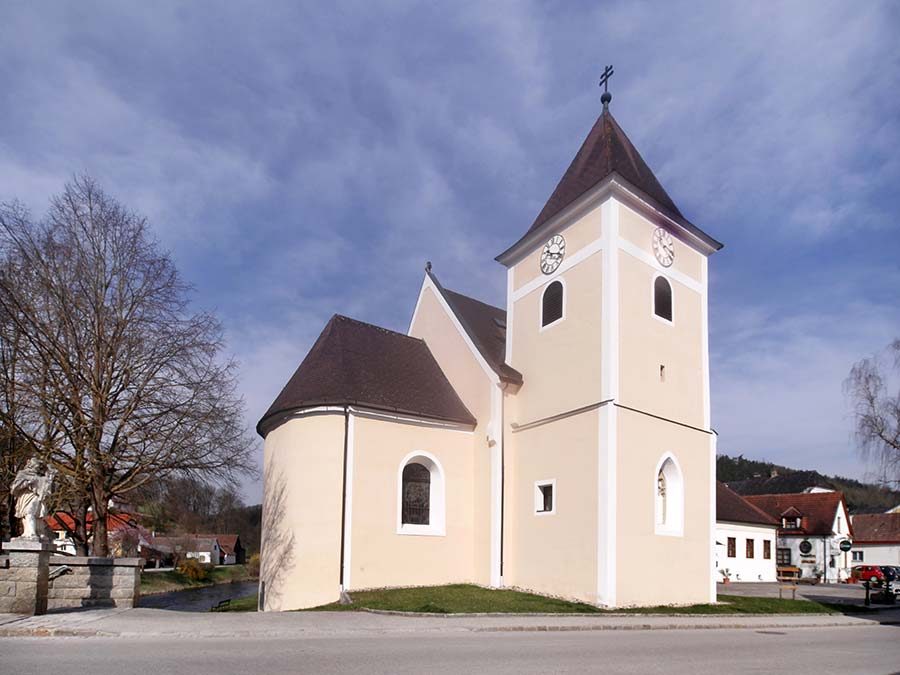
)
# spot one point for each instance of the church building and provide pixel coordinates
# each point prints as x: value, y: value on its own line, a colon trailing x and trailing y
x: 560, y: 445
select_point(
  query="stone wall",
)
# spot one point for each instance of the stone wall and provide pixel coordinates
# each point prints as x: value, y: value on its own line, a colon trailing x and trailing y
x: 94, y: 582
x: 23, y: 577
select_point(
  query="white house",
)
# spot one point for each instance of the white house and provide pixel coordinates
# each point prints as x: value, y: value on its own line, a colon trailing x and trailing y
x: 745, y: 539
x: 812, y: 526
x: 876, y: 538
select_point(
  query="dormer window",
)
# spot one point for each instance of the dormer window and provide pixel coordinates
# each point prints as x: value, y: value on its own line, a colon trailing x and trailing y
x: 790, y: 523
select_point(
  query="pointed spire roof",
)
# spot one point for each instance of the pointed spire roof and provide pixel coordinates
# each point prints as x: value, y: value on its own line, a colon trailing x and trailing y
x: 605, y: 152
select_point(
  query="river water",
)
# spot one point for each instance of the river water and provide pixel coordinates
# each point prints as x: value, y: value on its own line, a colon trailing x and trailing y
x: 199, y: 599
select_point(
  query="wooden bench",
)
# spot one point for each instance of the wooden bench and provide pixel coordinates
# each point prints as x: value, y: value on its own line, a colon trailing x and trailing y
x: 787, y: 587
x: 788, y: 574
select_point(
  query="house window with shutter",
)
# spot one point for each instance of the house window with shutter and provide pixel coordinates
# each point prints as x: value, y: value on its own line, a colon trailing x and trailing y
x: 552, y: 303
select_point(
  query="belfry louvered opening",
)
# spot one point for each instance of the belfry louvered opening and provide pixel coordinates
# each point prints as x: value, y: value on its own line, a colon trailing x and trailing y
x: 662, y: 298
x: 552, y: 303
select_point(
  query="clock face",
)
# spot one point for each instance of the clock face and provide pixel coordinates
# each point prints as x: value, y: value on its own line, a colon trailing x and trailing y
x: 553, y: 253
x: 663, y: 247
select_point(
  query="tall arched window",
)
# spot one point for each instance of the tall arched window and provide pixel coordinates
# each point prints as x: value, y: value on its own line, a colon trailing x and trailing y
x: 552, y: 303
x: 420, y: 495
x: 662, y: 298
x: 416, y: 494
x: 669, y: 497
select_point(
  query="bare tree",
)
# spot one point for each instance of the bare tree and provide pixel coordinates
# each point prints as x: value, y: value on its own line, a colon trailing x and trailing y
x: 120, y: 383
x: 870, y: 385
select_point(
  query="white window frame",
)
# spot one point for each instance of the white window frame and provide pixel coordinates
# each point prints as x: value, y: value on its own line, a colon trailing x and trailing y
x: 436, y: 497
x: 675, y: 491
x: 565, y: 301
x: 668, y: 322
x: 857, y: 556
x: 539, y: 497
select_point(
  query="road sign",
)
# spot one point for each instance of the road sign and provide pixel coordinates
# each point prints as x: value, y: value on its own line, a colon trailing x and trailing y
x: 846, y: 545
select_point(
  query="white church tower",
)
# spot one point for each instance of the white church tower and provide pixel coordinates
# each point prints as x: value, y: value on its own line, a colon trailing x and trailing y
x: 608, y: 446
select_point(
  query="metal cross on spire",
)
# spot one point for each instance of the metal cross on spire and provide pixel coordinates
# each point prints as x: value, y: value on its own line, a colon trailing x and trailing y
x: 604, y: 82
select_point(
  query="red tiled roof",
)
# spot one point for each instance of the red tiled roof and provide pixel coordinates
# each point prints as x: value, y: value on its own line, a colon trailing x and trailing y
x: 114, y: 521
x: 356, y: 363
x: 876, y: 528
x: 817, y: 510
x: 227, y: 542
x: 732, y: 508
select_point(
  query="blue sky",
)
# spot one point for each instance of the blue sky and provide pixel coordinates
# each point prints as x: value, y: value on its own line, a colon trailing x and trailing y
x: 302, y: 159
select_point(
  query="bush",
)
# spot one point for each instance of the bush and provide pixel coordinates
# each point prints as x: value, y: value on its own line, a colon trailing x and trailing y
x: 253, y: 565
x: 194, y: 570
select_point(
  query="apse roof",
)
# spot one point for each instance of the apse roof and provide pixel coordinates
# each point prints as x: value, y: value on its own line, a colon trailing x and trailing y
x: 356, y: 363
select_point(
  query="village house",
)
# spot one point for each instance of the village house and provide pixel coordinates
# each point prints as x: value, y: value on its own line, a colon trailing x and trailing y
x: 126, y: 537
x: 211, y: 549
x: 876, y: 538
x: 812, y: 526
x: 559, y: 444
x: 745, y: 539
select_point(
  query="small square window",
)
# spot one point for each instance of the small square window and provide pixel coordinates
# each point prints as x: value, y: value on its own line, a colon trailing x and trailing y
x: 857, y: 556
x: 545, y: 497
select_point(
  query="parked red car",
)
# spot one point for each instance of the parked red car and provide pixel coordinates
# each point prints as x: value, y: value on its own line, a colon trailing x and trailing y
x: 870, y: 573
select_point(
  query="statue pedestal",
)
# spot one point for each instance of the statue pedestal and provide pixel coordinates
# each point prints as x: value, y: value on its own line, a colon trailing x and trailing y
x: 24, y: 576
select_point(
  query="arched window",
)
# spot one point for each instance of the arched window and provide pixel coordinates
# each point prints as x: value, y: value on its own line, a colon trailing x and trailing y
x: 552, y: 303
x: 420, y: 495
x: 662, y: 298
x: 416, y: 494
x: 669, y: 497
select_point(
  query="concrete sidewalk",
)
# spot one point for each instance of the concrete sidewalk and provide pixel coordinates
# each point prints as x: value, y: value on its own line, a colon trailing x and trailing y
x: 156, y: 623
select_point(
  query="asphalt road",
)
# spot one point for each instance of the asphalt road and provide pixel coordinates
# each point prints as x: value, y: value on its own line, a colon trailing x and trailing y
x: 818, y: 651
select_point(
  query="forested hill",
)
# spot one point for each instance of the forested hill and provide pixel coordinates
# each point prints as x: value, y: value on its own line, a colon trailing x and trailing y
x: 751, y: 477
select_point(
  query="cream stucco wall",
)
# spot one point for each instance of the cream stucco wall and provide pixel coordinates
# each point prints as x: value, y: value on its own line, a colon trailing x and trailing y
x: 469, y: 379
x: 554, y: 554
x: 379, y: 556
x: 655, y: 568
x: 301, y: 534
x: 581, y: 232
x: 646, y: 343
x: 560, y: 363
x: 635, y: 228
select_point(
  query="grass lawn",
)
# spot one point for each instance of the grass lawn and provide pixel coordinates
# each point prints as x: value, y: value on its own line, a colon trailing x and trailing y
x: 163, y: 582
x: 247, y: 604
x: 466, y: 598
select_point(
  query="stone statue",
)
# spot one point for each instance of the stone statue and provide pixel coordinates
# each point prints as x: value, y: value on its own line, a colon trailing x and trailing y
x: 31, y: 489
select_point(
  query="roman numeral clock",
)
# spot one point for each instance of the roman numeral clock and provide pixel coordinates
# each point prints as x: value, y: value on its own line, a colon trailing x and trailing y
x: 553, y: 253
